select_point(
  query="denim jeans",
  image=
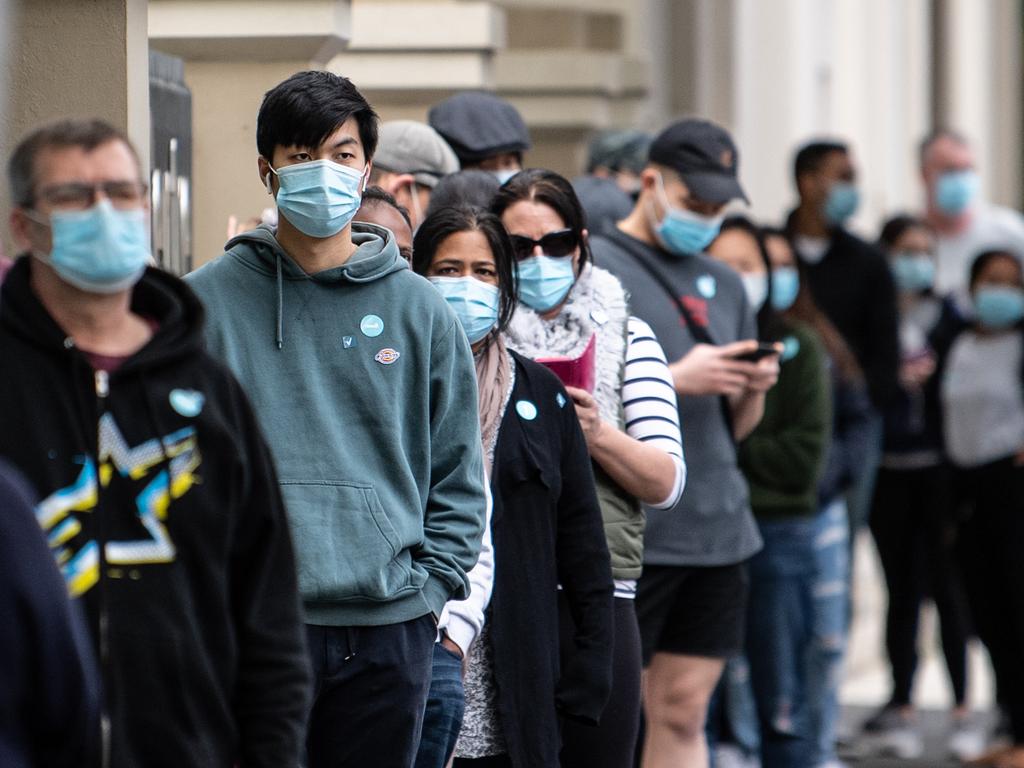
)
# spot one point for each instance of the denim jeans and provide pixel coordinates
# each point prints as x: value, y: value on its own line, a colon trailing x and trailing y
x: 779, y: 631
x: 445, y: 705
x: 829, y: 625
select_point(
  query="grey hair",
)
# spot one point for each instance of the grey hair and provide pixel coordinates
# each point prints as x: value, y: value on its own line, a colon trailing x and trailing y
x: 85, y: 133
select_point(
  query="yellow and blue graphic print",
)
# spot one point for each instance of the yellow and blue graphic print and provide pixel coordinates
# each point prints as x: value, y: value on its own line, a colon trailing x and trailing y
x: 60, y: 514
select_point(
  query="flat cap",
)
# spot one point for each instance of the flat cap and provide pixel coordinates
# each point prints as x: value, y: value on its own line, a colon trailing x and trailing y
x: 478, y: 125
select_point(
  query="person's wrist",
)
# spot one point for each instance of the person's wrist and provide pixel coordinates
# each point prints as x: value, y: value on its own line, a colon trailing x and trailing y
x: 451, y: 645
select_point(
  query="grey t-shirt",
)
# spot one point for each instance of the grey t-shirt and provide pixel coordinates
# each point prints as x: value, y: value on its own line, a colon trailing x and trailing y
x: 712, y: 523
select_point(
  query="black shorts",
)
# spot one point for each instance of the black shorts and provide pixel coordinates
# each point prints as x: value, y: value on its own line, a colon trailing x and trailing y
x: 692, y: 610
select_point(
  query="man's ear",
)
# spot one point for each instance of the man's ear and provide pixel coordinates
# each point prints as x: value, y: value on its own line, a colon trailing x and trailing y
x: 26, y: 232
x: 263, y: 166
x: 399, y: 181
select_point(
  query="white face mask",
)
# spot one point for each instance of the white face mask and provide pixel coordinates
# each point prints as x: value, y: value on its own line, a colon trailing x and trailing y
x: 756, y: 286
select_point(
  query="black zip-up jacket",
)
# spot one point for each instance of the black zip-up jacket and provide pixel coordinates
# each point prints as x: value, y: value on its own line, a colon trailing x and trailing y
x: 853, y: 286
x: 161, y: 505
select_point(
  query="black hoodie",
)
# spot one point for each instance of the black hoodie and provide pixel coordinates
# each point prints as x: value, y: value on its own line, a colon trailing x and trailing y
x: 161, y: 504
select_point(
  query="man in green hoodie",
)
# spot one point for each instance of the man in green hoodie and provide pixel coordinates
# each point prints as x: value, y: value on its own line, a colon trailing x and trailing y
x: 364, y: 384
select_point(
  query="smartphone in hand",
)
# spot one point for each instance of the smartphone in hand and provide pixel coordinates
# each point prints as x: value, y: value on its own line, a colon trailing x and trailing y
x: 763, y: 350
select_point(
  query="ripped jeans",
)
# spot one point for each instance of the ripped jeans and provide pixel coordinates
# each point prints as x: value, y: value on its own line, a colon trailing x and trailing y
x: 829, y: 626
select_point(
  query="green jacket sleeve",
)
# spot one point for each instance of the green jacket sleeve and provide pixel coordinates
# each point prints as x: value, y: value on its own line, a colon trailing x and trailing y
x: 786, y: 452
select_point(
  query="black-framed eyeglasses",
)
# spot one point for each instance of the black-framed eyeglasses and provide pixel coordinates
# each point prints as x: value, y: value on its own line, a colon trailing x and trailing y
x: 561, y: 242
x: 77, y: 196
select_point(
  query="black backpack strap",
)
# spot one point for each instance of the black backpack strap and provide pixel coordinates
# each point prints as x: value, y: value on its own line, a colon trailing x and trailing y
x: 699, y: 332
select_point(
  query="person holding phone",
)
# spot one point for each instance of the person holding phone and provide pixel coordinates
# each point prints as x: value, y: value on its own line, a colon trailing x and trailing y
x: 782, y: 460
x: 630, y: 421
x: 546, y: 525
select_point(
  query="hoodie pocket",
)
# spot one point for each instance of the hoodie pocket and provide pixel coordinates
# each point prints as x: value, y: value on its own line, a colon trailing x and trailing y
x: 346, y: 546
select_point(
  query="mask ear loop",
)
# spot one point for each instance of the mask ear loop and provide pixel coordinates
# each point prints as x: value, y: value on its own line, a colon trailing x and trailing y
x: 266, y: 181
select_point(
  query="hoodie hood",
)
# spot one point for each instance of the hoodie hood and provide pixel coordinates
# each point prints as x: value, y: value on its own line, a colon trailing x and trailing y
x: 158, y: 296
x: 376, y: 256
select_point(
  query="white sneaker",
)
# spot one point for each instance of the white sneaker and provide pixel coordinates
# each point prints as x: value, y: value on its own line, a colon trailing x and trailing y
x: 892, y: 734
x: 967, y: 738
x: 731, y: 756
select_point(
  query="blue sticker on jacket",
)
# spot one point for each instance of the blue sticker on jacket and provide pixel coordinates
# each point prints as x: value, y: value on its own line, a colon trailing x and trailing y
x: 526, y: 410
x: 790, y: 348
x: 348, y: 342
x: 560, y: 399
x: 371, y: 326
x: 187, y: 402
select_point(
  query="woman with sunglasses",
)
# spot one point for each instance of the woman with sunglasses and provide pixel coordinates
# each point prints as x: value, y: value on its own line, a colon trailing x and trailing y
x: 546, y: 522
x: 630, y: 418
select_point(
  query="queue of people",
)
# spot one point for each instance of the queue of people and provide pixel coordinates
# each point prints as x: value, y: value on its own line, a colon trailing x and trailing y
x: 453, y: 461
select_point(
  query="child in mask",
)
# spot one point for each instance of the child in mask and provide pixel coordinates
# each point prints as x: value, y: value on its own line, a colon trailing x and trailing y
x: 982, y: 395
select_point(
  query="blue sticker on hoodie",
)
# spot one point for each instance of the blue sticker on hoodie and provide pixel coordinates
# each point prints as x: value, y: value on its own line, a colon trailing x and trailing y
x: 371, y: 326
x: 707, y: 286
x: 348, y: 342
x: 187, y: 402
x: 560, y: 399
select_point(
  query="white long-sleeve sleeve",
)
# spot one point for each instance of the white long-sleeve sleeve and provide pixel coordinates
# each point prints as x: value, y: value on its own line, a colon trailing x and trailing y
x: 462, y: 620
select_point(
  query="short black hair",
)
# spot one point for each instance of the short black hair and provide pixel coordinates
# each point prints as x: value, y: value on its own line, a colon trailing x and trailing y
x: 811, y: 156
x: 983, y: 259
x: 378, y: 196
x: 445, y: 222
x: 933, y: 136
x: 308, y: 107
x: 468, y: 187
x: 543, y: 186
x: 895, y: 226
x: 87, y: 134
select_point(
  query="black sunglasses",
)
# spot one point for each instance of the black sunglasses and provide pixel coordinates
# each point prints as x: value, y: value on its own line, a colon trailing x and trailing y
x: 559, y: 243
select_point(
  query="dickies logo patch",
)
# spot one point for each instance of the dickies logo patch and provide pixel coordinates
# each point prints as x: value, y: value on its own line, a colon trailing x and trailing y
x: 387, y: 356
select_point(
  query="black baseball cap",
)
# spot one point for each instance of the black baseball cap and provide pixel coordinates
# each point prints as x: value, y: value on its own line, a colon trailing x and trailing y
x: 704, y: 156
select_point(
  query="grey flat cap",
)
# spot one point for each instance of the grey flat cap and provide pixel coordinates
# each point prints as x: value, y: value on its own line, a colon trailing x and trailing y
x: 478, y: 125
x: 406, y: 146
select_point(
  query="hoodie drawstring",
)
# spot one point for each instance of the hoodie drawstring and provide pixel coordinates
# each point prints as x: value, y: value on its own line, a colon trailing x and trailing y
x: 280, y: 305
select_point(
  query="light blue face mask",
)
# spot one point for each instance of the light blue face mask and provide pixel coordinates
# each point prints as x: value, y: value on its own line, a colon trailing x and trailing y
x: 474, y: 302
x: 99, y: 250
x: 913, y: 272
x: 544, y: 281
x: 785, y: 288
x: 504, y: 174
x: 683, y: 232
x: 955, y: 190
x: 999, y: 307
x: 318, y: 198
x: 842, y: 202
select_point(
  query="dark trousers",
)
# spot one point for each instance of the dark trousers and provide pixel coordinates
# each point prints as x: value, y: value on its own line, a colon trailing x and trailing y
x: 370, y: 692
x: 613, y: 743
x: 912, y: 522
x: 992, y: 548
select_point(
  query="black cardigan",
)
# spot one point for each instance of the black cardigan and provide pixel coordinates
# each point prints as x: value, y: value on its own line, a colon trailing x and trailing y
x: 547, y: 531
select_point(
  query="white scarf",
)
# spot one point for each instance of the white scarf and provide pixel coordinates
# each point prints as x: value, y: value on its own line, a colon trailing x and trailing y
x: 596, y: 304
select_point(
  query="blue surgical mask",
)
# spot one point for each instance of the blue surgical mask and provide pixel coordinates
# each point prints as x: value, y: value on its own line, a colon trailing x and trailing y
x: 756, y: 286
x: 955, y: 190
x: 913, y: 272
x: 544, y: 281
x: 785, y: 287
x: 999, y: 306
x: 319, y: 198
x: 474, y: 302
x: 842, y: 202
x: 99, y: 250
x: 504, y: 174
x: 682, y: 231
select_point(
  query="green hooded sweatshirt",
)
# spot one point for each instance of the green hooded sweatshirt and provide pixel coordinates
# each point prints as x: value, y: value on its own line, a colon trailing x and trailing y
x: 364, y: 385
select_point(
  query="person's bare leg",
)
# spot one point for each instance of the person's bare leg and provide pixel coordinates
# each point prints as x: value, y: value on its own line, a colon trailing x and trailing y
x: 677, y: 689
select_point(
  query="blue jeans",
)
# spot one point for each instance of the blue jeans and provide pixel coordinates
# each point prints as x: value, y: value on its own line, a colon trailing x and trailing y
x: 445, y: 706
x: 779, y: 631
x: 829, y: 625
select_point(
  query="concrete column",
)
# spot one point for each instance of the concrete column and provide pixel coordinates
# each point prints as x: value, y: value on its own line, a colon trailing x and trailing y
x: 66, y: 58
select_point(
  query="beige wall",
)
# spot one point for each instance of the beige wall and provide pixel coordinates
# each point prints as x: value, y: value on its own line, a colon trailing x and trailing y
x: 68, y: 58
